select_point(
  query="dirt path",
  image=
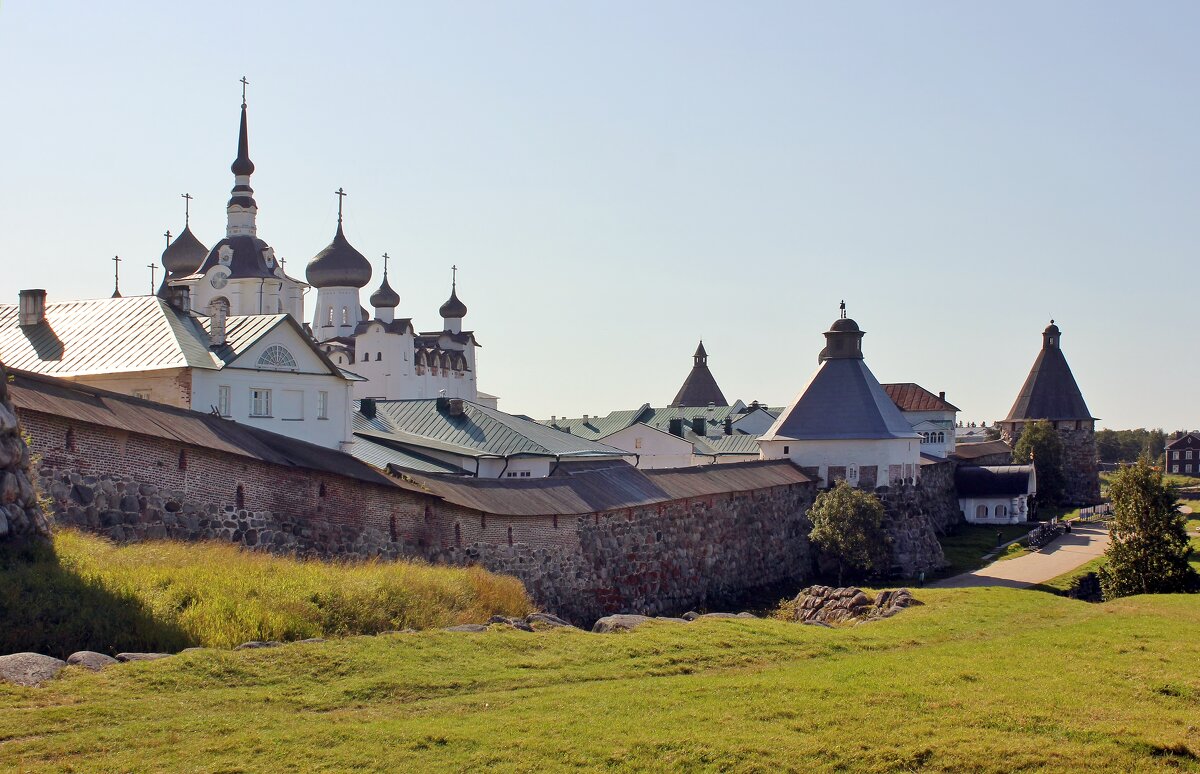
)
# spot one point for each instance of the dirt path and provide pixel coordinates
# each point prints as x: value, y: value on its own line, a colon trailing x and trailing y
x: 1085, y: 543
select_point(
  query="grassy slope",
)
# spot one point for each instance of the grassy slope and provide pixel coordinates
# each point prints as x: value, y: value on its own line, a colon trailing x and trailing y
x: 966, y: 548
x: 978, y: 679
x: 90, y: 594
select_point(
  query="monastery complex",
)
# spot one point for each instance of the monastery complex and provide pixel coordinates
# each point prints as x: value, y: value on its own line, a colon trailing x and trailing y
x: 213, y: 410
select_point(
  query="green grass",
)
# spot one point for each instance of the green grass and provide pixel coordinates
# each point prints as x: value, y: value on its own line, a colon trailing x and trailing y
x: 966, y: 548
x: 1013, y: 551
x: 986, y: 680
x: 87, y: 593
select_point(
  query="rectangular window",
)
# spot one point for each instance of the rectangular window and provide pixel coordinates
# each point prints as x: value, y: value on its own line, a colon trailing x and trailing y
x: 145, y: 395
x: 260, y: 402
x: 1174, y: 455
x: 1187, y: 455
x: 291, y: 405
x: 224, y: 399
x: 637, y: 443
x: 322, y: 405
x: 1174, y: 468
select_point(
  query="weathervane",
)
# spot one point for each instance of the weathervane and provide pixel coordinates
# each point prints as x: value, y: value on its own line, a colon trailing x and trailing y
x: 187, y: 209
x: 341, y: 195
x: 842, y: 306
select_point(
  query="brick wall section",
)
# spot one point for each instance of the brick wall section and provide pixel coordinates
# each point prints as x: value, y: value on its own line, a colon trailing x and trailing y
x: 657, y: 559
x: 21, y: 516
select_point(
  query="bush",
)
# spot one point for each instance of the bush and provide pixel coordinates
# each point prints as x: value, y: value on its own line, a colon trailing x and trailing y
x: 87, y: 593
x: 848, y: 527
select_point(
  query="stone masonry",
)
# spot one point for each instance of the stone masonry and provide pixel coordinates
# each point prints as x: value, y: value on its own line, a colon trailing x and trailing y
x: 21, y: 515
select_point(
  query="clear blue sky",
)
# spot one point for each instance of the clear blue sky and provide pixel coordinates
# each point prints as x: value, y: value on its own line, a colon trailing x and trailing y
x: 618, y: 179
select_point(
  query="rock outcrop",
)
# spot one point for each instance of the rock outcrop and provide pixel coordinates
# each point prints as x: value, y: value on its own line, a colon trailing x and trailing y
x: 21, y: 515
x: 29, y: 669
x: 822, y: 605
x: 90, y: 659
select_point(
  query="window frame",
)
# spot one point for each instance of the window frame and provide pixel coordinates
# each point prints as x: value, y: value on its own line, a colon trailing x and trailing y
x: 322, y: 404
x: 264, y: 402
x: 225, y: 400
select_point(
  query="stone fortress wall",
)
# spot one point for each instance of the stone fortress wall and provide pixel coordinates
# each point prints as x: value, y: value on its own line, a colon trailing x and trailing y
x: 21, y: 515
x: 655, y: 558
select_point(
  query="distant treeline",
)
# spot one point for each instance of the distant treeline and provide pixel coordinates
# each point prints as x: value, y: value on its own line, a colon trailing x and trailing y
x: 1130, y: 445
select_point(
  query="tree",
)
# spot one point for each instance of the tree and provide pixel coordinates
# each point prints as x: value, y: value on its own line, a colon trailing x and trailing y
x: 1150, y: 549
x: 848, y: 526
x: 1040, y: 443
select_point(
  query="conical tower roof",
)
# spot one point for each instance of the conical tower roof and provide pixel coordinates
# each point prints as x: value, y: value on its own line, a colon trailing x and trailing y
x: 700, y: 387
x: 1050, y: 391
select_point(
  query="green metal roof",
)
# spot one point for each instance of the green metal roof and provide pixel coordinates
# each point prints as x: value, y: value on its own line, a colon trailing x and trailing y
x: 380, y: 454
x: 478, y: 432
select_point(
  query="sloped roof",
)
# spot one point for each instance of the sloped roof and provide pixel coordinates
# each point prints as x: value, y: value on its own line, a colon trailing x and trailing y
x: 993, y: 480
x: 737, y: 444
x: 909, y: 396
x: 973, y: 451
x: 390, y: 457
x: 699, y: 388
x: 104, y: 336
x: 610, y: 488
x: 842, y: 401
x: 1050, y: 391
x: 1185, y: 440
x: 479, y: 431
x: 83, y: 403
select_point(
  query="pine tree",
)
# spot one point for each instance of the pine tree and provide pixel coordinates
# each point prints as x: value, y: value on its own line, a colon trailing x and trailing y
x: 848, y: 526
x: 1150, y: 549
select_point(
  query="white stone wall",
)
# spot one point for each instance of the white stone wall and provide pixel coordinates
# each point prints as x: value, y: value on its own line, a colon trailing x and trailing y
x: 882, y: 453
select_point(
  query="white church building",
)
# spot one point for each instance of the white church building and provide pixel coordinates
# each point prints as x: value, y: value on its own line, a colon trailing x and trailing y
x: 843, y: 425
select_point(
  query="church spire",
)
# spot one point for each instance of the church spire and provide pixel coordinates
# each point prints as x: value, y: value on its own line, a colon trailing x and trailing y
x: 242, y: 208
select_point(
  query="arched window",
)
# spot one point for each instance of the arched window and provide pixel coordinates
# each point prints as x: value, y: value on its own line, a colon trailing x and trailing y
x: 378, y: 356
x: 345, y: 315
x: 981, y: 512
x: 329, y: 317
x: 1001, y: 510
x: 276, y: 357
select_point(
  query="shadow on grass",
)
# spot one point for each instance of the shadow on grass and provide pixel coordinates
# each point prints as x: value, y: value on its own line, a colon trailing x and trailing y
x: 45, y: 608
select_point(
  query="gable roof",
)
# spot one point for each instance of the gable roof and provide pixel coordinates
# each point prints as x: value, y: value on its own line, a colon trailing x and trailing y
x: 1187, y: 439
x: 909, y: 396
x: 1050, y: 391
x: 92, y: 405
x: 842, y: 401
x: 478, y: 432
x: 104, y: 336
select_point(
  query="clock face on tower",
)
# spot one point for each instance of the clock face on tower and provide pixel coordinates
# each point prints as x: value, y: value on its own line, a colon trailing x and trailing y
x: 219, y: 280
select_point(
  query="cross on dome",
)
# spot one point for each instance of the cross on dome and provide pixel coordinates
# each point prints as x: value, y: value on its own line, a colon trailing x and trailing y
x: 187, y: 209
x: 341, y: 195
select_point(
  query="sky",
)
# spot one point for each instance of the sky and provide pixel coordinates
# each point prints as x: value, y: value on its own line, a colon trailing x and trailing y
x: 617, y: 180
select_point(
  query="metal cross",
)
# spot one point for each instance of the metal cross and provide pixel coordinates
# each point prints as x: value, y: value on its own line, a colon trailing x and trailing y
x: 453, y: 277
x: 167, y: 234
x: 151, y: 267
x: 116, y: 275
x: 245, y: 83
x: 187, y: 208
x: 341, y: 195
x: 385, y: 261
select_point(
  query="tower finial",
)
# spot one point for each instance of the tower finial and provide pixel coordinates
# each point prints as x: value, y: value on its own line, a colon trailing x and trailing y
x: 151, y: 267
x: 116, y: 276
x: 842, y: 307
x: 385, y: 263
x: 245, y: 83
x: 453, y: 277
x: 341, y: 195
x: 167, y: 234
x: 187, y: 209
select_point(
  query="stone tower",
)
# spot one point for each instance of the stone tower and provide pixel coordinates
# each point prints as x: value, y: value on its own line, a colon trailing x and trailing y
x: 1050, y: 393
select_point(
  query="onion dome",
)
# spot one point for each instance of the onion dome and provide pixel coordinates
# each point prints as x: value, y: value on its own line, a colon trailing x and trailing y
x: 453, y: 309
x: 339, y: 265
x: 385, y: 297
x: 184, y: 255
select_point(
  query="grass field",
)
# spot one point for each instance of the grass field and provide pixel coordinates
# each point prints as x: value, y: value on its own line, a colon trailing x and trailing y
x: 90, y: 594
x: 966, y: 548
x: 975, y: 680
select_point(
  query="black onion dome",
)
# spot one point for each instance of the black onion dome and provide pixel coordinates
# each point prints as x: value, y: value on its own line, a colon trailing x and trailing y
x: 184, y: 255
x: 385, y: 297
x: 844, y: 324
x: 247, y: 259
x: 453, y: 308
x: 339, y: 265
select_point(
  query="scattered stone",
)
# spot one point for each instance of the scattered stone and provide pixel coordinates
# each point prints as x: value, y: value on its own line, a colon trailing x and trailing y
x: 707, y: 616
x: 825, y: 605
x: 90, y: 659
x: 127, y: 657
x: 625, y: 622
x: 192, y: 650
x: 467, y: 628
x: 691, y: 615
x: 256, y: 644
x: 29, y: 669
x: 313, y: 640
x: 516, y: 623
x: 546, y: 621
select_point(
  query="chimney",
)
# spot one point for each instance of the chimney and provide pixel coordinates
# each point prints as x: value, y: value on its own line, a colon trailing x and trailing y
x: 728, y: 425
x: 443, y: 403
x: 455, y: 407
x: 366, y: 407
x: 698, y: 426
x: 942, y: 395
x: 216, y: 324
x: 32, y: 307
x: 180, y: 297
x: 675, y: 426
